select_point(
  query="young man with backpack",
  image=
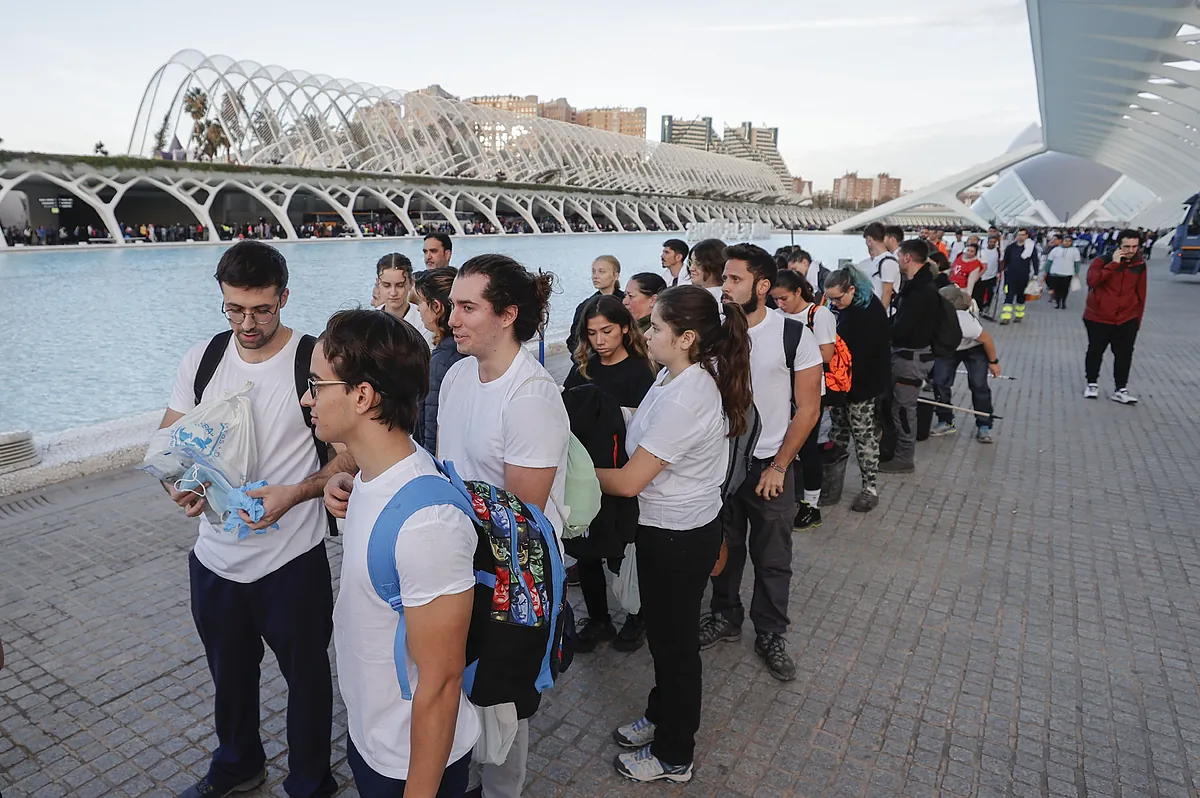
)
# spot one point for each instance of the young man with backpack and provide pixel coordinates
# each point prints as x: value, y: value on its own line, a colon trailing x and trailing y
x: 275, y: 585
x: 786, y: 369
x: 367, y: 397
x: 884, y: 268
x: 501, y: 419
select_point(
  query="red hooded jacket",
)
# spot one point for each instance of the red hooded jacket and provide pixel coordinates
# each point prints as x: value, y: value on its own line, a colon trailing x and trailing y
x: 1116, y: 292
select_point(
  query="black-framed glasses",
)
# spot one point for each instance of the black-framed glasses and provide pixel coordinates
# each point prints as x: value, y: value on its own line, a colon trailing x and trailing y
x: 239, y: 316
x: 314, y: 384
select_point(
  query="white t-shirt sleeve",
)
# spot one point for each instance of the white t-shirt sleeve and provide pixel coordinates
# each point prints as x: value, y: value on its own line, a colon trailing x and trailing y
x: 435, y: 553
x: 536, y: 427
x: 671, y: 430
x: 824, y: 326
x: 970, y: 326
x: 183, y: 393
x: 808, y: 353
x: 889, y: 272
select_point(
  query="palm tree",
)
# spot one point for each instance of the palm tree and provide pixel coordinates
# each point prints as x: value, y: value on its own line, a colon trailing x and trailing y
x: 214, y: 140
x: 195, y: 102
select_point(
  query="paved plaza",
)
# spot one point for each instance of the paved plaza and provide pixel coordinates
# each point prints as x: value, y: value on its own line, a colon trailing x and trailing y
x: 1019, y: 619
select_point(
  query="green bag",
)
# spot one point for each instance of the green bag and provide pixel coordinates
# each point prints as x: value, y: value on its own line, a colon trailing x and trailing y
x: 582, y: 490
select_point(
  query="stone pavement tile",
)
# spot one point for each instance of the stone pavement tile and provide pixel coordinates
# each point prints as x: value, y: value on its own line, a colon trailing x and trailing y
x: 1015, y: 619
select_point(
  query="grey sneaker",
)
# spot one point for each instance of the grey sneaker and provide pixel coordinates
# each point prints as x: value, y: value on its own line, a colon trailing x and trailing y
x: 866, y: 502
x: 1123, y: 396
x: 643, y: 766
x: 983, y: 434
x: 207, y: 789
x: 638, y: 734
x: 942, y: 428
x: 714, y: 628
x: 1092, y: 391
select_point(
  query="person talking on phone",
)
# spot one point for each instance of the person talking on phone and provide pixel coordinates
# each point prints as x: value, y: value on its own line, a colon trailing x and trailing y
x: 1113, y: 314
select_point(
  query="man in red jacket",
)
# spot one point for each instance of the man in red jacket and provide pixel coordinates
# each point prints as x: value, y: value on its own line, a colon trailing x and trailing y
x: 1115, y: 304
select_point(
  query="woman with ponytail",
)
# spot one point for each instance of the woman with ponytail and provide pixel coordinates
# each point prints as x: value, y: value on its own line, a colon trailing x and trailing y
x: 432, y: 290
x: 679, y: 449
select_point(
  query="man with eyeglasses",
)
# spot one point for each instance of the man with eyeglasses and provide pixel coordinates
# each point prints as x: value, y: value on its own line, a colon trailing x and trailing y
x: 272, y: 586
x: 1116, y: 302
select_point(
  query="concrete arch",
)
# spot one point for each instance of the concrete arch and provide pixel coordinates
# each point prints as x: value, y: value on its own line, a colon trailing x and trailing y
x: 630, y: 212
x: 488, y: 209
x: 447, y: 212
x: 523, y: 206
x: 276, y: 210
x: 186, y: 200
x: 554, y: 211
x: 72, y: 187
x: 339, y: 208
x: 584, y: 213
x: 400, y: 211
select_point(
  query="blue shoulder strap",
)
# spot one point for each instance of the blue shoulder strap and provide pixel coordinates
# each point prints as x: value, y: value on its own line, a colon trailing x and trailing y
x: 424, y: 491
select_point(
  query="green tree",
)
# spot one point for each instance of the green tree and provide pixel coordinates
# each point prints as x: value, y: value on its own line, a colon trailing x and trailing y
x: 160, y: 136
x: 195, y: 102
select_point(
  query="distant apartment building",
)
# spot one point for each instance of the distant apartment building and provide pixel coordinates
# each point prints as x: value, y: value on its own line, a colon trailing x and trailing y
x: 757, y: 144
x: 626, y: 121
x: 521, y: 106
x: 802, y: 186
x: 559, y: 110
x: 435, y: 90
x: 850, y: 189
x: 695, y: 133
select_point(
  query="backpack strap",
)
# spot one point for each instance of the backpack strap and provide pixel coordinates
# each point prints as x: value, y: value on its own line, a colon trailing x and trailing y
x: 792, y: 331
x: 812, y: 311
x: 424, y: 491
x: 879, y: 265
x: 209, y: 362
x: 304, y: 350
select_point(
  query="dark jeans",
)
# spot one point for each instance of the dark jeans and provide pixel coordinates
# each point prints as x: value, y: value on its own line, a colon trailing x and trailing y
x: 292, y: 610
x: 944, y: 371
x: 811, y: 467
x: 673, y: 568
x: 1121, y: 337
x: 1060, y: 288
x: 594, y: 586
x: 375, y: 785
x: 770, y: 536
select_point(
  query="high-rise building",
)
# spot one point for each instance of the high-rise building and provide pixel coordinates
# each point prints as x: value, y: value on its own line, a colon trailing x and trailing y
x: 521, y: 106
x: 850, y: 189
x: 757, y: 144
x: 695, y: 133
x: 558, y: 109
x: 626, y: 121
x: 802, y: 186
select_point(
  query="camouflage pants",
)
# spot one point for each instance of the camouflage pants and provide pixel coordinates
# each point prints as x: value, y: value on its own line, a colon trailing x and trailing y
x: 858, y: 419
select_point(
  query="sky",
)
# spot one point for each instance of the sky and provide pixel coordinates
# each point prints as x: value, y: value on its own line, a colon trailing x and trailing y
x: 921, y: 89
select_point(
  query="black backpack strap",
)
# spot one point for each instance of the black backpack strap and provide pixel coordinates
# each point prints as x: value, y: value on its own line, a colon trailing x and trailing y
x: 304, y: 350
x: 209, y: 362
x: 792, y: 330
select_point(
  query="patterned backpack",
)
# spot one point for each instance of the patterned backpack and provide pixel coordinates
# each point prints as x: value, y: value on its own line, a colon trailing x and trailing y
x: 522, y: 624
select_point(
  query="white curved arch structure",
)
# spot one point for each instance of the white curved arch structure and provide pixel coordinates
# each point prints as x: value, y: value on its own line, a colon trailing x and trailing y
x: 283, y: 117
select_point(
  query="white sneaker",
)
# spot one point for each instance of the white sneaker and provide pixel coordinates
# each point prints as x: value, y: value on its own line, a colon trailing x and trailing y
x: 1092, y: 391
x: 635, y: 735
x: 1124, y: 397
x: 641, y: 765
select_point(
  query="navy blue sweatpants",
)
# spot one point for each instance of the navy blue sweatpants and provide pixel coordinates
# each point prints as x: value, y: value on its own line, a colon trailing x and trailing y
x: 292, y: 610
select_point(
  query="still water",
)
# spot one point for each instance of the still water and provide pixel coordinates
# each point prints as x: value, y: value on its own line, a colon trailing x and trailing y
x: 98, y: 335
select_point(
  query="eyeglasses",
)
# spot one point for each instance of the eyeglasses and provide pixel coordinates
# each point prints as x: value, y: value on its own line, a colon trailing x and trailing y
x: 314, y: 384
x: 239, y: 316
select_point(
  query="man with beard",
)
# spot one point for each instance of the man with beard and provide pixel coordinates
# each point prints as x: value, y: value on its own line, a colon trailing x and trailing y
x: 766, y: 501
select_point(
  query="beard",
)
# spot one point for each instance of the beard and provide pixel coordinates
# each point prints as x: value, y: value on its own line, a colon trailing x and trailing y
x: 752, y: 305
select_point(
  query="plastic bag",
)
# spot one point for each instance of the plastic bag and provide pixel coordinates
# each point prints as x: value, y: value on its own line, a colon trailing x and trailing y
x: 625, y: 584
x: 219, y: 433
x: 581, y: 492
x: 1076, y: 285
x: 1033, y: 289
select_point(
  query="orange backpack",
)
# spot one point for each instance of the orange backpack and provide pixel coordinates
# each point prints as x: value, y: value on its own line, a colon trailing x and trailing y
x: 837, y: 371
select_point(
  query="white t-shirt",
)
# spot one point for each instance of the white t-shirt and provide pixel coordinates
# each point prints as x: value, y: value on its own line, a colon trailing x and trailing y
x: 956, y: 249
x: 824, y: 328
x: 683, y: 422
x: 286, y: 455
x: 1063, y: 261
x: 771, y: 382
x: 518, y: 419
x: 888, y: 268
x: 685, y: 277
x: 435, y: 553
x: 991, y: 260
x: 413, y: 317
x: 971, y: 329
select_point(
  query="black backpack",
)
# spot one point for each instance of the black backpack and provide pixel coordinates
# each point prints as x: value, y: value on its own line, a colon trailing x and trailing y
x: 208, y: 367
x: 947, y: 334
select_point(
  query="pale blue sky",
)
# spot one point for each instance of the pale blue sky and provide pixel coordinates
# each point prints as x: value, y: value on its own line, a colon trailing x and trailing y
x: 922, y: 88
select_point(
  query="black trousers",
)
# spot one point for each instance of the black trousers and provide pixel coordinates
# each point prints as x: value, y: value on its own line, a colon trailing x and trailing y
x: 292, y: 610
x: 811, y: 467
x: 770, y: 548
x: 983, y: 292
x: 1060, y: 288
x: 1121, y: 337
x: 673, y: 568
x: 594, y: 586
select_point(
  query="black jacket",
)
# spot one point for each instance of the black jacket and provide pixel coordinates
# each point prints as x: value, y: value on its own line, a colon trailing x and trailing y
x: 444, y: 356
x: 597, y: 422
x: 917, y: 311
x: 572, y: 336
x: 868, y: 336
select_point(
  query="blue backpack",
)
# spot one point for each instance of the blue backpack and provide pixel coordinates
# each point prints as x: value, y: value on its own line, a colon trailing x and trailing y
x: 521, y: 624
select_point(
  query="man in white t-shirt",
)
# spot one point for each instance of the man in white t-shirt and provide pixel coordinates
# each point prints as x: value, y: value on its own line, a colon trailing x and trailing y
x: 273, y: 586
x: 977, y: 354
x: 368, y: 399
x: 766, y: 501
x: 394, y: 280
x: 956, y: 246
x: 674, y: 262
x: 501, y: 419
x: 884, y: 268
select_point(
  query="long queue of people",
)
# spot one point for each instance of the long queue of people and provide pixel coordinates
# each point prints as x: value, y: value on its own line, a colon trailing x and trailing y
x: 715, y: 397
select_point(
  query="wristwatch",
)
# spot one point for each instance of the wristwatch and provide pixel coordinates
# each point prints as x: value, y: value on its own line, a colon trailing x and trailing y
x: 995, y: 362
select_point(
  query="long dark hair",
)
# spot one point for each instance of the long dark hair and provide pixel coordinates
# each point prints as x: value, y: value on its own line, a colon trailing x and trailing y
x: 433, y: 285
x: 795, y: 281
x: 511, y: 284
x: 721, y: 349
x: 612, y: 309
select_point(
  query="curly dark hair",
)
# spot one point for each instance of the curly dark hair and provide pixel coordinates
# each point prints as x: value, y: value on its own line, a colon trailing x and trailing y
x: 512, y: 285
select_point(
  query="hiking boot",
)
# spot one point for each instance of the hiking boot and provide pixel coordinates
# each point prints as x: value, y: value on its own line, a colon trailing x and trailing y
x: 592, y: 633
x: 1123, y: 396
x: 773, y: 650
x: 983, y: 434
x: 1092, y: 391
x: 808, y: 517
x: 865, y: 503
x: 638, y: 734
x: 632, y: 634
x: 943, y: 428
x: 643, y: 766
x: 714, y: 628
x: 896, y: 467
x: 206, y: 788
